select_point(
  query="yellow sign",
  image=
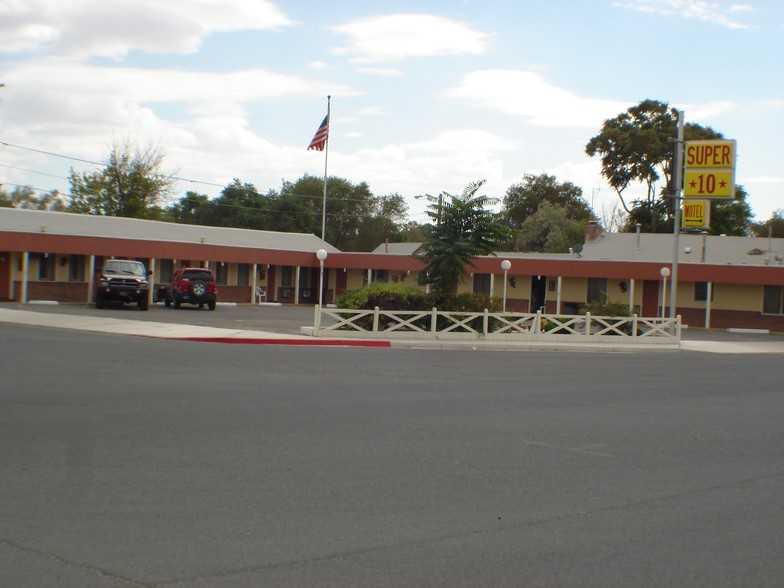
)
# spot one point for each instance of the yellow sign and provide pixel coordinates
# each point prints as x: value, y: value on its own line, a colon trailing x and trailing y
x: 696, y: 214
x: 709, y: 183
x: 710, y: 154
x: 710, y: 169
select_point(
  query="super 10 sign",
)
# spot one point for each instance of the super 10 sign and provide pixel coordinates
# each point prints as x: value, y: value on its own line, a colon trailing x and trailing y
x: 710, y: 169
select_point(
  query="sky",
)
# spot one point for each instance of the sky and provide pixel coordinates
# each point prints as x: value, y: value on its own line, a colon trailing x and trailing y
x: 426, y: 96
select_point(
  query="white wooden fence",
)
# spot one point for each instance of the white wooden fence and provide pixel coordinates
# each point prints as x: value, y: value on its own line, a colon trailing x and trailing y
x: 494, y: 326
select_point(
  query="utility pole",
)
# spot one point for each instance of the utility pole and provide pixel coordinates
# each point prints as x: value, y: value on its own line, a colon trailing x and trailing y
x: 677, y: 182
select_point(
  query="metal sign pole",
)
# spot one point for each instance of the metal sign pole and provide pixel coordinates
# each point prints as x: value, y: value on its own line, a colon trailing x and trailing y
x: 676, y: 230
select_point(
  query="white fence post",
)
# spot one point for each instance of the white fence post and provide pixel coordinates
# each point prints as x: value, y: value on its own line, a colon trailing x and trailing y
x: 587, y: 324
x: 485, y: 321
x: 375, y: 319
x: 538, y: 322
x: 634, y: 325
x: 316, y: 319
x: 434, y: 320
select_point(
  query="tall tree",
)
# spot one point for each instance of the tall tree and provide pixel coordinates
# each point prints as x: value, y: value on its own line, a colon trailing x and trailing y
x: 131, y: 184
x: 25, y: 197
x: 191, y: 209
x: 774, y: 226
x: 465, y: 228
x: 637, y: 147
x: 550, y: 230
x: 523, y: 199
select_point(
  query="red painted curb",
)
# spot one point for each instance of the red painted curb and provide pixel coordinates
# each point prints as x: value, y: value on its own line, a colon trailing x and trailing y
x: 316, y: 342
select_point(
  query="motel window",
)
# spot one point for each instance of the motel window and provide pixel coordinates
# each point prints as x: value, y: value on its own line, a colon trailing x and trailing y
x: 597, y: 290
x: 701, y: 291
x: 46, y: 267
x: 380, y: 276
x: 772, y: 303
x: 76, y: 268
x: 221, y: 272
x: 243, y: 274
x: 286, y: 277
x: 166, y: 268
x: 481, y: 283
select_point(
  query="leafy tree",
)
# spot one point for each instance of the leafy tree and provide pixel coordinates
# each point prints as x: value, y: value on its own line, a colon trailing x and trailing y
x: 131, y: 184
x: 732, y: 217
x: 25, y: 197
x: 465, y: 229
x: 550, y: 230
x: 649, y: 214
x: 387, y: 217
x: 241, y: 206
x: 356, y: 219
x: 637, y: 146
x: 774, y: 226
x: 191, y: 209
x: 524, y: 199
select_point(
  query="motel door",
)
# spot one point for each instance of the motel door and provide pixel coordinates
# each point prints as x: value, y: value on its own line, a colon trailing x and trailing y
x: 650, y: 298
x: 341, y: 282
x: 538, y: 293
x: 5, y: 272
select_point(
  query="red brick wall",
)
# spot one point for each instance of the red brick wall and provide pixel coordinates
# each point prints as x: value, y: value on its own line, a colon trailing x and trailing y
x: 238, y: 294
x: 59, y: 291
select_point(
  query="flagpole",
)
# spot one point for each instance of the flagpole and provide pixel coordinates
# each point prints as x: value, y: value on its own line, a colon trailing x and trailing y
x: 326, y: 159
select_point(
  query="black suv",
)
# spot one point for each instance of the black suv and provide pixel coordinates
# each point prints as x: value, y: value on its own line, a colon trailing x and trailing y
x: 124, y: 280
x: 195, y: 285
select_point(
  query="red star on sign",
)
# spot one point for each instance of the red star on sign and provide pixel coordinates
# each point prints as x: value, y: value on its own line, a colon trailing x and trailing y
x: 723, y: 184
x: 692, y: 184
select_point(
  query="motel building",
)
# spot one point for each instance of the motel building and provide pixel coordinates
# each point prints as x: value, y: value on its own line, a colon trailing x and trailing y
x: 723, y: 282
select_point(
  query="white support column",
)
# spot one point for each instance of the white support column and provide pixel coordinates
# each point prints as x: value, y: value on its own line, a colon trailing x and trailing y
x: 370, y: 277
x: 90, y: 278
x: 492, y: 285
x: 151, y: 282
x: 296, y: 287
x: 254, y: 283
x: 558, y: 295
x: 25, y: 266
x: 11, y: 266
x: 631, y: 295
x: 708, y: 296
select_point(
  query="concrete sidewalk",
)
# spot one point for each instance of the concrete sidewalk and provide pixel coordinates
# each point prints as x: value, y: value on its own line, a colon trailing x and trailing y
x: 188, y: 332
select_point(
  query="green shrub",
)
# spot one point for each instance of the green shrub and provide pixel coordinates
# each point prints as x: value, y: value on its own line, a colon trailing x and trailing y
x: 606, y: 308
x: 387, y: 296
x: 401, y: 297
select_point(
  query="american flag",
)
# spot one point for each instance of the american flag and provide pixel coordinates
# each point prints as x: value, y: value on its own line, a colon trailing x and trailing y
x: 320, y: 138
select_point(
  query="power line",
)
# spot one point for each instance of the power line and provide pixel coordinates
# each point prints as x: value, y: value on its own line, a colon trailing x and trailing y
x: 32, y: 171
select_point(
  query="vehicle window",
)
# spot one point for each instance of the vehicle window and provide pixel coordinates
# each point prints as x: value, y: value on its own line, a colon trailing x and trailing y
x: 198, y: 275
x: 121, y: 267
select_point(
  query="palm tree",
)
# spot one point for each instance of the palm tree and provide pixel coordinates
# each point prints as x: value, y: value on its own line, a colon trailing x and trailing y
x: 464, y: 229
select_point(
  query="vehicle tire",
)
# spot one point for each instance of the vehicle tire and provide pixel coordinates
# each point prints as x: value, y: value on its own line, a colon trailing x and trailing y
x: 143, y: 303
x: 198, y: 289
x: 176, y: 301
x: 211, y: 305
x: 98, y: 300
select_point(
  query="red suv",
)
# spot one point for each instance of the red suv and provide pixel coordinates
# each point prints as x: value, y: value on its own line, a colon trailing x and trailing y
x: 195, y: 285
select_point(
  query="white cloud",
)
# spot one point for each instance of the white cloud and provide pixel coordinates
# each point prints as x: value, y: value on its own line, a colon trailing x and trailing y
x: 83, y: 28
x: 699, y: 9
x: 399, y: 36
x: 381, y: 71
x: 463, y: 141
x: 318, y: 65
x: 531, y: 96
x: 372, y: 111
